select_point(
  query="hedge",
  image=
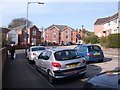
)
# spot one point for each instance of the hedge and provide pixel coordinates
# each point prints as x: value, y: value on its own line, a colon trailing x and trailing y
x: 113, y: 40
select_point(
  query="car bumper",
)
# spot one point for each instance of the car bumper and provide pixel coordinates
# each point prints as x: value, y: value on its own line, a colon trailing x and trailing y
x: 69, y: 72
x: 94, y: 59
x: 32, y: 58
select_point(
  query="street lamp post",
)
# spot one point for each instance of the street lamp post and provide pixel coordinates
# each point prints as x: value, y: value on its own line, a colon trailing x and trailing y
x: 26, y: 31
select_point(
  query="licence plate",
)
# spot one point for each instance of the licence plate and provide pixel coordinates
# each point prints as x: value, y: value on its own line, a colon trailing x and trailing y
x: 96, y: 54
x: 72, y: 65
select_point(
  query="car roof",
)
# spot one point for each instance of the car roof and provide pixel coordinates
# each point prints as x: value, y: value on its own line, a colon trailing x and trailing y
x: 36, y: 46
x: 59, y: 49
x: 88, y: 45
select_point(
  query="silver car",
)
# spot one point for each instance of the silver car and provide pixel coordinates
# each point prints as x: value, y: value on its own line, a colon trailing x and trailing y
x: 34, y: 52
x: 60, y: 63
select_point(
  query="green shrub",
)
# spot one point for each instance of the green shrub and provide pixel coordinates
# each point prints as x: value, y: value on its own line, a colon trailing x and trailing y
x: 93, y: 39
x: 86, y: 40
x: 113, y: 40
x: 103, y: 41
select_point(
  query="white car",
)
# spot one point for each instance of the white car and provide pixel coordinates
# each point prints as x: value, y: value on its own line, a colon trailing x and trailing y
x: 34, y: 52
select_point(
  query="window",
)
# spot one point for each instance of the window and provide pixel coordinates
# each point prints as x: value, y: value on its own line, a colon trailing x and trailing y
x: 48, y: 54
x: 66, y: 55
x: 94, y: 48
x: 116, y: 21
x: 34, y: 40
x: 38, y: 48
x: 34, y: 32
x: 67, y: 37
x: 54, y: 32
x: 45, y: 55
x: 54, y: 36
x: 42, y: 55
x: 80, y: 48
x: 67, y: 32
x: 109, y: 24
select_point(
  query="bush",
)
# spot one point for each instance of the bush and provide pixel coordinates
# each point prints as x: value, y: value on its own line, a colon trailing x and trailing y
x: 103, y: 41
x: 86, y: 40
x: 113, y: 41
x: 93, y: 39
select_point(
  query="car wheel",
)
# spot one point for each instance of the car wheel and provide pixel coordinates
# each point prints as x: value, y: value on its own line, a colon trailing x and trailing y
x: 51, y: 79
x: 30, y: 61
x: 83, y: 75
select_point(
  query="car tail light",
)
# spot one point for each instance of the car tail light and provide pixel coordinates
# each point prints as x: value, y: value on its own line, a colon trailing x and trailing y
x: 34, y: 53
x: 88, y: 54
x: 84, y: 61
x: 56, y: 64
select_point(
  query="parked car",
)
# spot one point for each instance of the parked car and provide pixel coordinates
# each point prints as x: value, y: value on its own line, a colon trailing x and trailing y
x: 90, y: 52
x: 69, y: 43
x: 60, y: 63
x: 34, y: 52
x: 110, y: 80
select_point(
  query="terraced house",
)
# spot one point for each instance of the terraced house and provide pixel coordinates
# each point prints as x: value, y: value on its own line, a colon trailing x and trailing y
x: 60, y: 34
x: 106, y: 26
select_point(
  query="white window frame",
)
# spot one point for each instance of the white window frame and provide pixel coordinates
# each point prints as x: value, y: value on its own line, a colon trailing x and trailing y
x: 54, y: 36
x: 54, y: 32
x: 67, y: 32
x: 33, y: 32
x: 67, y: 38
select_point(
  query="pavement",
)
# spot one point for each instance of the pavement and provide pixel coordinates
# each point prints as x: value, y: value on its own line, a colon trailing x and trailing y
x: 19, y: 74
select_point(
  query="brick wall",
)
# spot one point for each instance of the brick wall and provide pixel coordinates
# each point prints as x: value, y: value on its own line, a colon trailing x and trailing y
x: 98, y: 30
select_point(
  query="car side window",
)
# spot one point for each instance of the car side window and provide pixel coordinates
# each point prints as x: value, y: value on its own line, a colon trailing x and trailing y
x: 42, y: 55
x: 76, y: 48
x: 83, y: 49
x: 48, y: 54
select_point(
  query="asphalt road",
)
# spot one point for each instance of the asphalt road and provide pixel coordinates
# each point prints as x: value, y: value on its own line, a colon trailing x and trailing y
x: 20, y: 74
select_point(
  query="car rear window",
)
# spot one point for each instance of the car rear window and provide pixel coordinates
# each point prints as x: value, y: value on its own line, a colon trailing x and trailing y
x: 94, y: 48
x: 38, y: 49
x: 66, y: 55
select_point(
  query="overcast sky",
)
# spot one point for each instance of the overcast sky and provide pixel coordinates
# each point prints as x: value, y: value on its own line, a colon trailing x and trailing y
x: 74, y: 14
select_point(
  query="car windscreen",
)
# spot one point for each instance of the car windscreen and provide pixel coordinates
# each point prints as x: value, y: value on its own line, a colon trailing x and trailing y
x: 94, y: 48
x: 66, y: 55
x: 38, y: 48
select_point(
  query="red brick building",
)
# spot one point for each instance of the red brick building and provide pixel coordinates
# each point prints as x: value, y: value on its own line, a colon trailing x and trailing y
x: 60, y: 33
x: 34, y: 35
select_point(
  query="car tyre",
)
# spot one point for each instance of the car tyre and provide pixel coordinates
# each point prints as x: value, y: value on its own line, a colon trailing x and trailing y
x: 30, y: 61
x: 51, y: 79
x: 83, y: 75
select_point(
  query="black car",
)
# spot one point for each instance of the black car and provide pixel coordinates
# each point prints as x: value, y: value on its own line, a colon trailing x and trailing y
x: 109, y: 80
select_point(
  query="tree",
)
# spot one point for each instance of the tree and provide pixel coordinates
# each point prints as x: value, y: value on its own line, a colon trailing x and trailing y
x: 19, y: 22
x: 89, y: 33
